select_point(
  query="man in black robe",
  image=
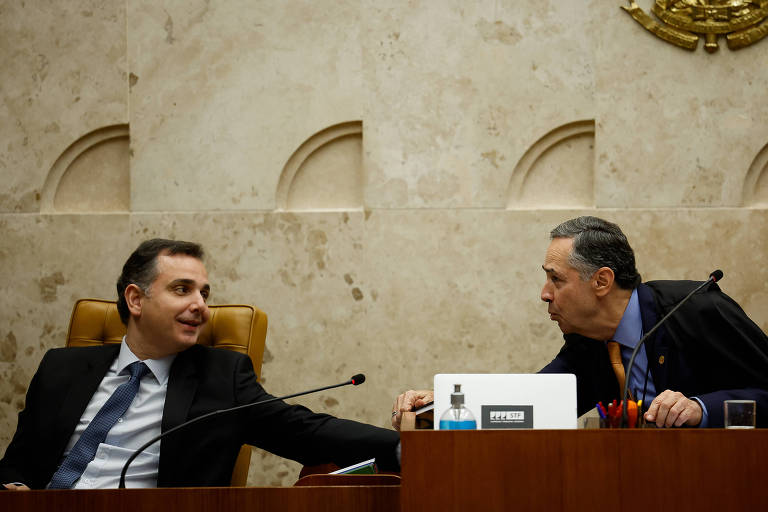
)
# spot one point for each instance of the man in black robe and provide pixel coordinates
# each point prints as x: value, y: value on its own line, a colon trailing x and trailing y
x: 707, y: 352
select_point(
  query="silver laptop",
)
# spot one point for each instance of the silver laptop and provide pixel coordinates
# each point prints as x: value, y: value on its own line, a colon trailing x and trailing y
x: 511, y: 400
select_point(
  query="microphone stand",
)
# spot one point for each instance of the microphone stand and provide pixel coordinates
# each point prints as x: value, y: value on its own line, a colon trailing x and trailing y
x: 355, y: 380
x: 713, y: 278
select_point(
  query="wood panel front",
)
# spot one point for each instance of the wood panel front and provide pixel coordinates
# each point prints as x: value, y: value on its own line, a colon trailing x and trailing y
x: 628, y: 470
x: 250, y: 499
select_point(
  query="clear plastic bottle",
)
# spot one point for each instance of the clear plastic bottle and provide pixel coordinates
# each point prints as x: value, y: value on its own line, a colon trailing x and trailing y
x: 457, y: 417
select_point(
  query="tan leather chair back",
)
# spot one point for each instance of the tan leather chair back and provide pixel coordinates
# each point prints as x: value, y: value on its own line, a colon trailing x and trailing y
x: 232, y: 327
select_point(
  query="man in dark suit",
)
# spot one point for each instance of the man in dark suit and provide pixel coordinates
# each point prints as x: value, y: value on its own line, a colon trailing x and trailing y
x: 162, y: 300
x: 708, y: 351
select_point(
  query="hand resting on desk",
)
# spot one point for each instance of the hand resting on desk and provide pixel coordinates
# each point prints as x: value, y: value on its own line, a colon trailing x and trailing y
x: 673, y: 409
x: 16, y: 487
x: 409, y: 401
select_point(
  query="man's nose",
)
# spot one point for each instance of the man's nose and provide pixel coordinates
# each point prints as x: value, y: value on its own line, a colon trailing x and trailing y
x: 546, y: 294
x: 199, y: 303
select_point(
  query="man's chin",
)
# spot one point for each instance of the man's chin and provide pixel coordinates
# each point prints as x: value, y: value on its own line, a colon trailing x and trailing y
x: 186, y: 340
x: 191, y: 339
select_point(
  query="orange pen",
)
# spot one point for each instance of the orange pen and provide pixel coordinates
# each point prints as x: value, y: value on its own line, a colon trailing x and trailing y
x: 631, y: 413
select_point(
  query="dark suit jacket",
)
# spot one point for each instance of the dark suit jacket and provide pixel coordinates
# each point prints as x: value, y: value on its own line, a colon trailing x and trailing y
x: 709, y: 349
x: 201, y: 380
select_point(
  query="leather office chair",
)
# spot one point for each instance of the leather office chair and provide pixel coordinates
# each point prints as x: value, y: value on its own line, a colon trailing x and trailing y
x: 231, y: 327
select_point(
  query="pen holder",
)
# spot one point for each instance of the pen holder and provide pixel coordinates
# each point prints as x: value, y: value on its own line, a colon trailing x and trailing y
x: 593, y: 423
x: 612, y: 422
x: 611, y: 416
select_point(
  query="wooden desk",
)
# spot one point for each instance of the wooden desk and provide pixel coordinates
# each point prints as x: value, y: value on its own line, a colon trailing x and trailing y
x: 551, y: 470
x: 214, y: 499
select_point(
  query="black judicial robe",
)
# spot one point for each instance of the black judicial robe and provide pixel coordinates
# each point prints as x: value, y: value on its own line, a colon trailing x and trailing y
x: 709, y: 349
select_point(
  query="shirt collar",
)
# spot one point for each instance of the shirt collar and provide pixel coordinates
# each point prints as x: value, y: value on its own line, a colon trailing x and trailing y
x: 630, y: 328
x: 160, y: 368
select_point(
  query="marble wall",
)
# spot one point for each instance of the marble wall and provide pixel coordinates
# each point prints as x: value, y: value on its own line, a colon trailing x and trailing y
x: 379, y: 178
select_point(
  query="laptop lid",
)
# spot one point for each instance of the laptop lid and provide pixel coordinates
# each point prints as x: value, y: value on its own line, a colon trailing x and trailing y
x: 511, y: 400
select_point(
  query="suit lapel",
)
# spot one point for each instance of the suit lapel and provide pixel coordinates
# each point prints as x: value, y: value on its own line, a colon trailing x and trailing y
x: 86, y: 373
x: 656, y: 346
x: 182, y: 385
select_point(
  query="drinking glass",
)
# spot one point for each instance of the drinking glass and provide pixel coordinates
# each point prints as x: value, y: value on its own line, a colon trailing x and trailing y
x: 739, y: 413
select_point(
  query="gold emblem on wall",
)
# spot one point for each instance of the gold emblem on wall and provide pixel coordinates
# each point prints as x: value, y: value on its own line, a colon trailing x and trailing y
x: 742, y: 22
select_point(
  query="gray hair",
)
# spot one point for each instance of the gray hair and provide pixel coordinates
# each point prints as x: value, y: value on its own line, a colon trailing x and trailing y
x: 598, y: 243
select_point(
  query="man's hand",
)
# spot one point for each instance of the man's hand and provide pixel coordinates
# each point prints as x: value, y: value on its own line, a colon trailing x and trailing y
x: 16, y: 487
x: 673, y: 409
x: 409, y: 401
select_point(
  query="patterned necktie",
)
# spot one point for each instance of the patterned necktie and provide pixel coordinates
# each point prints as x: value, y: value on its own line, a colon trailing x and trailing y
x: 614, y: 353
x: 85, y: 448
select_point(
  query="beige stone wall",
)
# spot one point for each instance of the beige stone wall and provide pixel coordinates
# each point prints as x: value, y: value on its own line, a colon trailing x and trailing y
x: 380, y: 178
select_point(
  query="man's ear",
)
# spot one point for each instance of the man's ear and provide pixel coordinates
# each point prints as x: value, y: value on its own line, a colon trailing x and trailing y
x: 133, y: 298
x: 602, y: 281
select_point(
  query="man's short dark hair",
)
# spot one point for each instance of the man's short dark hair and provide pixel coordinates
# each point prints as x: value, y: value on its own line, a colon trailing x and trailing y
x: 141, y: 267
x: 598, y: 243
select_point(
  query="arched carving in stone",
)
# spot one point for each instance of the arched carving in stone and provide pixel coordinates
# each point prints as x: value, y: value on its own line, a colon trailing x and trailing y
x: 557, y: 170
x: 756, y: 183
x: 91, y: 175
x: 325, y: 172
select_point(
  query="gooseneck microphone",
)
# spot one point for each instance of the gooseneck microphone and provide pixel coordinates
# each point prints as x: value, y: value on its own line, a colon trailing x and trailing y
x: 713, y: 278
x: 355, y: 380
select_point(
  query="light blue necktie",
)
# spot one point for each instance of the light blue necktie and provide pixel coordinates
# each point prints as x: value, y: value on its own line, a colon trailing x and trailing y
x: 85, y: 448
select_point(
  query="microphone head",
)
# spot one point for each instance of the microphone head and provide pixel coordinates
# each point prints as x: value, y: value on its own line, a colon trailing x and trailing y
x: 357, y: 379
x: 716, y: 275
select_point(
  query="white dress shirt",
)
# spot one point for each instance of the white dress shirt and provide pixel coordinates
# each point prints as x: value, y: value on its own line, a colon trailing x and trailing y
x: 139, y: 424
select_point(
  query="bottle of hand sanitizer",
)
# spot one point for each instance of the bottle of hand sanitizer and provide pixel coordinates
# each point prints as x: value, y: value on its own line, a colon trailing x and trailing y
x: 457, y: 417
